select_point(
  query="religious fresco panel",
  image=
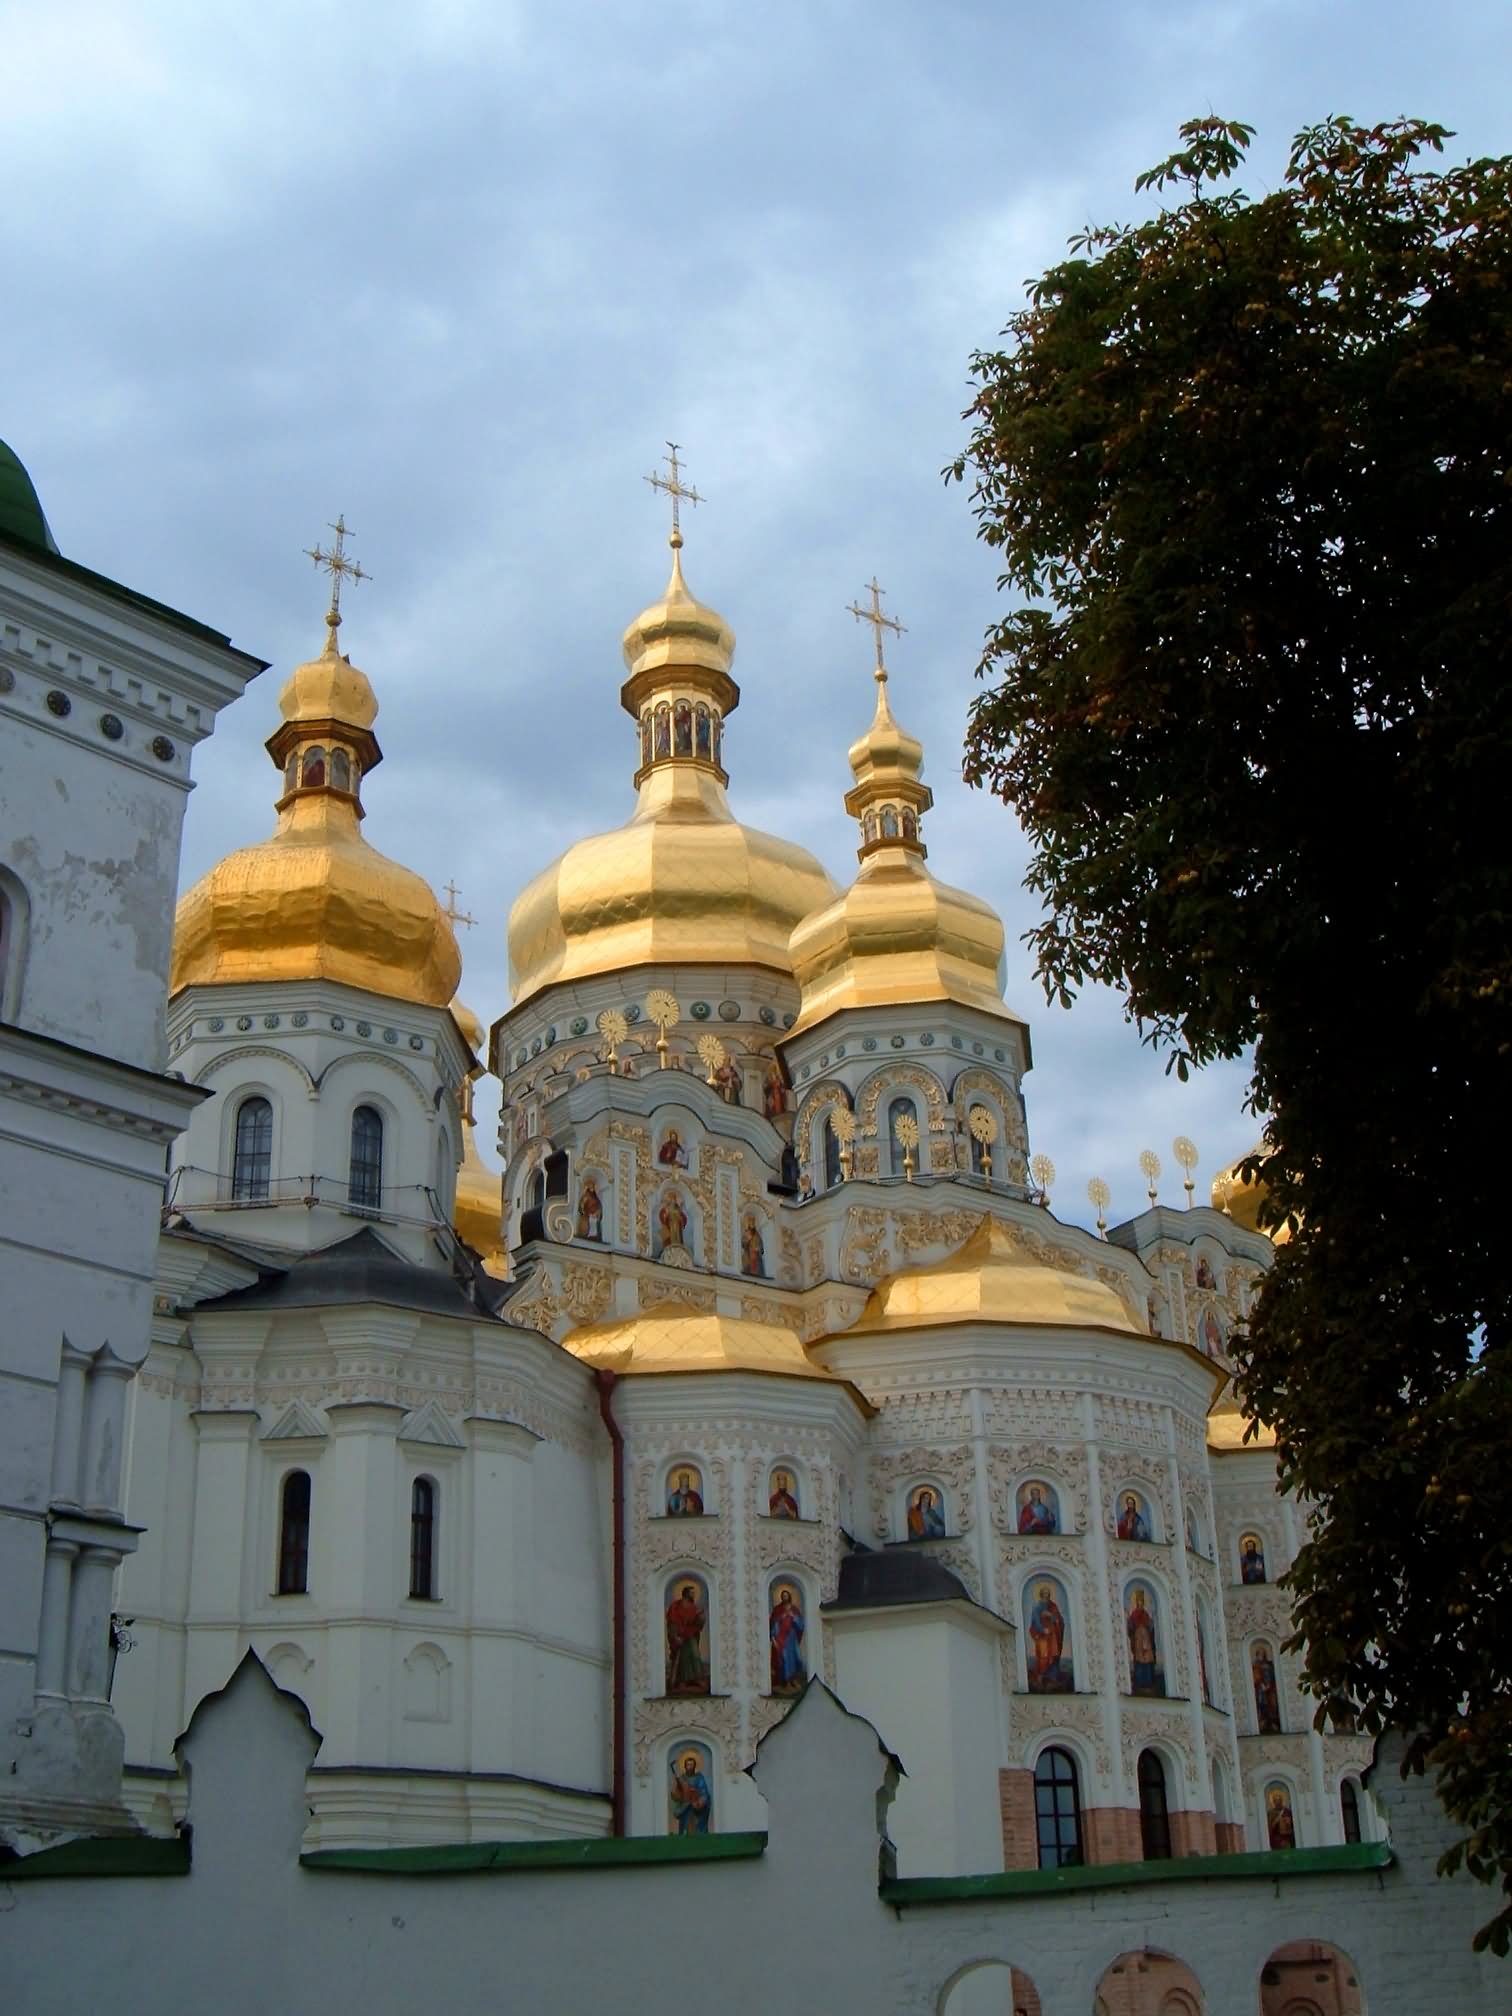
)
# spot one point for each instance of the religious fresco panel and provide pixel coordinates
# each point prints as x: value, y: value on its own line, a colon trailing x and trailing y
x: 690, y: 1790
x: 926, y: 1513
x: 1142, y: 1623
x: 1133, y: 1516
x: 686, y: 1620
x: 786, y: 1624
x: 1038, y: 1507
x: 1048, y: 1661
x: 782, y: 1493
x: 684, y: 1491
x: 1280, y: 1824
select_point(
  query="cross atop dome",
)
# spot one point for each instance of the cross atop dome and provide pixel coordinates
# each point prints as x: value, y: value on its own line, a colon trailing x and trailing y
x: 340, y: 568
x: 879, y: 623
x: 675, y: 488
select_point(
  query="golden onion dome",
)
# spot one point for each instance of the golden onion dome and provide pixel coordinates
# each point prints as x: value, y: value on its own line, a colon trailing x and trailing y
x: 993, y: 1278
x: 669, y: 1337
x: 478, y: 1212
x: 682, y: 881
x: 1228, y: 1426
x: 897, y: 934
x: 314, y: 901
x: 1240, y: 1198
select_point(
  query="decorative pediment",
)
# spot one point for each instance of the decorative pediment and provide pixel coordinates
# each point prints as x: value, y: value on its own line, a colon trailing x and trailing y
x: 430, y: 1424
x: 298, y: 1423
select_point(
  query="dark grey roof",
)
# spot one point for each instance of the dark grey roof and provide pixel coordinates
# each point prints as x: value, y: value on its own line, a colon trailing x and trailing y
x: 896, y: 1575
x: 359, y: 1269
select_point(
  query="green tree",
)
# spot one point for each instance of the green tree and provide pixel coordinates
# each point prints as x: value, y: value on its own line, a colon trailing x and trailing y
x: 1247, y: 468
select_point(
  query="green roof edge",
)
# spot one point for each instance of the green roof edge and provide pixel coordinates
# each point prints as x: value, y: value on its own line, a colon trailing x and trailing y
x: 107, y: 1855
x: 1346, y: 1859
x: 505, y: 1858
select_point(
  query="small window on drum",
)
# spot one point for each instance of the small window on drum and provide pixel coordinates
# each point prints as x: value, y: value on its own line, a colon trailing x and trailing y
x: 1349, y: 1810
x: 1154, y: 1813
x: 365, y: 1171
x: 252, y: 1156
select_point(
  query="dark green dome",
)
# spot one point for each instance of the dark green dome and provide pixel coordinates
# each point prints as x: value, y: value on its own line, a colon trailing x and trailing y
x: 20, y: 509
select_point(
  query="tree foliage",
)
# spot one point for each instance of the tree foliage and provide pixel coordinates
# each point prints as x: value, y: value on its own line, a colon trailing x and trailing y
x: 1248, y: 465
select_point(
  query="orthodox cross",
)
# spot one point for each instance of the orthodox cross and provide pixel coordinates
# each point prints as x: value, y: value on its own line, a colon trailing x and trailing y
x: 340, y: 568
x: 878, y: 621
x: 455, y: 915
x: 675, y: 488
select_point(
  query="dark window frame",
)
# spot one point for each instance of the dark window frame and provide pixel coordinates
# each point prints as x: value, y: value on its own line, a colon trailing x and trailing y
x: 1154, y: 1809
x: 1057, y: 1810
x: 294, y: 1501
x: 1349, y: 1810
x: 365, y: 1161
x: 252, y: 1151
x: 424, y: 1500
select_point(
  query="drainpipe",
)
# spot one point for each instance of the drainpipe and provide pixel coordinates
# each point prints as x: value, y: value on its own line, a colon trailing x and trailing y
x: 606, y: 1385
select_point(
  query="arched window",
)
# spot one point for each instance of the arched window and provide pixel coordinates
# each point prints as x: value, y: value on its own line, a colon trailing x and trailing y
x: 832, y: 1170
x: 341, y: 770
x: 314, y: 771
x: 294, y: 1535
x: 558, y: 1179
x: 1349, y: 1808
x: 365, y: 1173
x: 252, y: 1161
x: 423, y: 1539
x: 1154, y: 1816
x: 1057, y: 1810
x: 903, y: 1109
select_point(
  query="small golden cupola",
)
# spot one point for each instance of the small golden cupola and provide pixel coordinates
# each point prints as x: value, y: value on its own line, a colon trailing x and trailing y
x: 478, y: 1214
x: 682, y: 881
x: 897, y: 934
x: 314, y: 901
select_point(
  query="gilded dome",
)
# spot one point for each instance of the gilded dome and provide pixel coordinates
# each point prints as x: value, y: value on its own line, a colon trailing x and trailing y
x: 669, y: 1337
x: 897, y: 934
x: 993, y: 1278
x: 314, y: 901
x: 682, y: 881
x: 1242, y: 1196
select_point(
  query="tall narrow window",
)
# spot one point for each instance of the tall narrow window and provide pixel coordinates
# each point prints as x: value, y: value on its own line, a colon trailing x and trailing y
x: 1349, y: 1807
x: 423, y: 1538
x: 1154, y: 1816
x: 365, y: 1178
x: 252, y: 1161
x: 294, y: 1535
x: 1057, y: 1810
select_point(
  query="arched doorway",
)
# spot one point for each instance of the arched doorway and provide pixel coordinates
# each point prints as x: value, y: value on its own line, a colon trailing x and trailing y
x: 1148, y: 1984
x: 1308, y: 1977
x: 989, y: 1988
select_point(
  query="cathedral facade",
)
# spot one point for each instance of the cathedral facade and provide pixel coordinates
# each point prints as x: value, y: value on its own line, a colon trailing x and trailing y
x: 763, y: 1359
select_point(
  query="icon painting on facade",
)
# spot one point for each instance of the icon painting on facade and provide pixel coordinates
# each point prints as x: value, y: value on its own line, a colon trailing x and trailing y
x: 786, y: 1625
x: 1267, y: 1695
x: 684, y: 1492
x: 590, y: 1211
x: 752, y: 1251
x: 1280, y: 1827
x: 1048, y: 1664
x: 672, y: 1154
x: 1251, y: 1558
x: 687, y: 1629
x: 1204, y: 1273
x: 1146, y: 1668
x: 1038, y: 1508
x: 1133, y: 1517
x: 926, y: 1514
x: 690, y: 1795
x: 782, y: 1499
x: 1212, y: 1334
x: 672, y: 1218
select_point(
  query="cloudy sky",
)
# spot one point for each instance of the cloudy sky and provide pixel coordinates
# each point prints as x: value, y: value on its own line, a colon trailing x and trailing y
x: 458, y: 269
